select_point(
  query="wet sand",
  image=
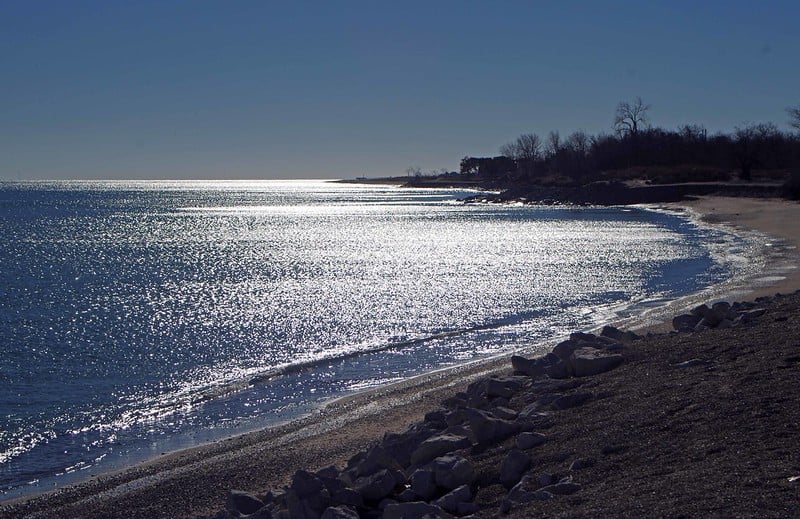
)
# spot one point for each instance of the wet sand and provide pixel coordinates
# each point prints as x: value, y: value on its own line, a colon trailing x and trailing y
x: 773, y: 217
x: 194, y: 482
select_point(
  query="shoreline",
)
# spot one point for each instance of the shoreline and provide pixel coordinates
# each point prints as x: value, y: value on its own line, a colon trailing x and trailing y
x: 348, y: 421
x: 777, y: 219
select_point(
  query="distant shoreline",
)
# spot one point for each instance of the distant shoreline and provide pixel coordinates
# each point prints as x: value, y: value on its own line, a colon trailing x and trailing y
x: 195, y: 480
x: 596, y: 193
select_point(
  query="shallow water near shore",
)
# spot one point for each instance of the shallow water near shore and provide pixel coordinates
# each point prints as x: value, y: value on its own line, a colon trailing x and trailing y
x: 142, y: 317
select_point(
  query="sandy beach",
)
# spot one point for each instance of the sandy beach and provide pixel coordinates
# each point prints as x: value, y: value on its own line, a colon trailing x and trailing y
x: 195, y: 482
x: 776, y: 218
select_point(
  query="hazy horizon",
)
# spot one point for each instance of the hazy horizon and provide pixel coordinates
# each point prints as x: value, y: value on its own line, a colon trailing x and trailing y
x: 117, y: 90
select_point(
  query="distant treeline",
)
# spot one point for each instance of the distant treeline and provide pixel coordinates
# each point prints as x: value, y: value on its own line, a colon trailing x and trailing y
x: 637, y: 150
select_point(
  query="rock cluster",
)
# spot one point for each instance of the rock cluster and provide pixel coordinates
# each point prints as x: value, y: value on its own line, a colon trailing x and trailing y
x: 430, y: 470
x: 718, y: 315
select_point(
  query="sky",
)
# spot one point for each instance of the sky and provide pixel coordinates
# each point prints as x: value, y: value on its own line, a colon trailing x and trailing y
x: 266, y: 89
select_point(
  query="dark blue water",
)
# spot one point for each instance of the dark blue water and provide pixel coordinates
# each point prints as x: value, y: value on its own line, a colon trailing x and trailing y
x: 140, y: 317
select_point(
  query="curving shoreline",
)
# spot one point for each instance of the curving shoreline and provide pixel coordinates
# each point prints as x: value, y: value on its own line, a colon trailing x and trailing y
x: 195, y: 482
x: 547, y: 438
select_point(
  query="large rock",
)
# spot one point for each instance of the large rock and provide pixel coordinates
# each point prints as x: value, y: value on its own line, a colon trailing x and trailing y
x: 377, y: 458
x: 590, y: 361
x: 243, y: 502
x: 407, y: 496
x: 723, y: 310
x: 305, y: 484
x: 565, y: 348
x: 701, y: 310
x: 347, y: 497
x: 377, y: 486
x: 334, y: 486
x: 529, y: 440
x: 557, y: 370
x: 388, y: 501
x: 307, y: 508
x: 502, y: 388
x: 488, y: 429
x: 724, y: 324
x: 435, y: 418
x: 453, y: 471
x: 711, y: 317
x: 456, y: 417
x: 402, y: 445
x: 307, y: 496
x: 413, y: 510
x: 457, y: 401
x: 505, y: 387
x: 618, y: 335
x: 340, y: 512
x: 750, y: 315
x: 437, y: 446
x: 327, y: 472
x: 514, y: 465
x: 477, y: 393
x: 582, y: 339
x: 449, y: 502
x: 530, y: 367
x: 504, y: 412
x: 685, y: 322
x: 423, y: 483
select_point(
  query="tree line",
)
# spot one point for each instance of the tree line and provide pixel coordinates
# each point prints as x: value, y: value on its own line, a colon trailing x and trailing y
x: 637, y: 149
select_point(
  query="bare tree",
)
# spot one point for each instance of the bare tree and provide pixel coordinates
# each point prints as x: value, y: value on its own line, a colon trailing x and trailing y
x: 693, y: 132
x: 509, y: 149
x: 794, y: 116
x: 525, y: 151
x: 414, y: 171
x: 579, y: 142
x: 553, y: 145
x: 630, y: 117
x: 577, y: 148
x: 527, y: 147
x: 750, y: 143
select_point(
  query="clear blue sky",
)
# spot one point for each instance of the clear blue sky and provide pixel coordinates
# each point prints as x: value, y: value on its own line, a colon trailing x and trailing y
x: 258, y: 89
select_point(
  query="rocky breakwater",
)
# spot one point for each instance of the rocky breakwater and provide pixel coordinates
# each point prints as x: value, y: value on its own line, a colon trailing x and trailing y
x: 719, y: 315
x: 476, y: 453
x: 510, y: 442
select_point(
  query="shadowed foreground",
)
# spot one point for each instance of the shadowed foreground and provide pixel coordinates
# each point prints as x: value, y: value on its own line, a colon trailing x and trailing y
x: 703, y: 422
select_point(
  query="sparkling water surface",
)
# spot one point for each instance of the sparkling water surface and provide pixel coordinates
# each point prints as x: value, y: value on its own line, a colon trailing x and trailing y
x: 138, y: 317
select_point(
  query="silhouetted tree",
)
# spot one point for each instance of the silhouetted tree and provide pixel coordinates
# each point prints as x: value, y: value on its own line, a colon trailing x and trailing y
x: 468, y: 166
x: 693, y: 132
x: 487, y: 167
x: 794, y: 116
x: 528, y: 146
x: 630, y: 117
x: 750, y: 143
x: 574, y: 155
x: 553, y: 145
x: 526, y: 150
x: 580, y: 142
x: 637, y: 150
x: 414, y: 171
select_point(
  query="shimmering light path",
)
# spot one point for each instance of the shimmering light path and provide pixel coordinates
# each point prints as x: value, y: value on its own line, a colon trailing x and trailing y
x: 139, y: 317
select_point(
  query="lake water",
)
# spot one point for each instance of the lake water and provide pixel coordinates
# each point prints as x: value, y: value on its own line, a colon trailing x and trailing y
x: 139, y: 317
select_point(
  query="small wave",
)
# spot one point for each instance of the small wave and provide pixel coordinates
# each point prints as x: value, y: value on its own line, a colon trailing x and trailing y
x: 298, y: 367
